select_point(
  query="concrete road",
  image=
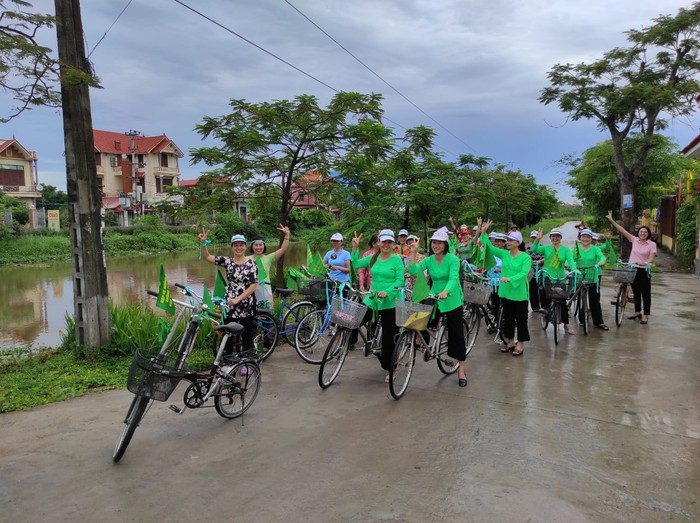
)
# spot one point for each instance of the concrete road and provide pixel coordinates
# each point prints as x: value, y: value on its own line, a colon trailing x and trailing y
x: 604, y: 428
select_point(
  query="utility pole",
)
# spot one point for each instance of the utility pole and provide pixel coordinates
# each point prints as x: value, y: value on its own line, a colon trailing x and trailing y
x: 93, y: 324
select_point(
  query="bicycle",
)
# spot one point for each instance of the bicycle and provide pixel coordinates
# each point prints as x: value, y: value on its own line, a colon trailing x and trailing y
x: 624, y: 274
x: 232, y: 380
x: 580, y: 296
x: 478, y: 292
x: 413, y: 318
x: 557, y: 291
x: 286, y: 320
x: 315, y: 330
x: 347, y: 314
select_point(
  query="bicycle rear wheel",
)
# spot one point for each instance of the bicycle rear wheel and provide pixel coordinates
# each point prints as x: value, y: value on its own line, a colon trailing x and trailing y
x: 238, y: 390
x: 266, y: 333
x: 402, y: 362
x: 584, y: 310
x: 472, y: 319
x: 620, y: 304
x: 132, y: 420
x: 312, y: 336
x: 292, y: 317
x: 446, y: 364
x: 334, y: 358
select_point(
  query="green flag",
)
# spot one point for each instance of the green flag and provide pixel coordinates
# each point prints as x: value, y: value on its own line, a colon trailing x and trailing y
x: 309, y: 256
x: 206, y: 299
x: 164, y: 300
x: 317, y: 267
x: 420, y: 288
x: 262, y: 274
x: 219, y: 286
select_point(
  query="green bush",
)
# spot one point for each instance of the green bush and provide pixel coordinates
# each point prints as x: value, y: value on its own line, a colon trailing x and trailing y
x: 687, y: 229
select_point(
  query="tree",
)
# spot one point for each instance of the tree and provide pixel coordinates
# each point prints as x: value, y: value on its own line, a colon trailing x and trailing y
x: 51, y: 196
x: 632, y: 90
x: 27, y: 69
x: 273, y: 144
x: 593, y: 175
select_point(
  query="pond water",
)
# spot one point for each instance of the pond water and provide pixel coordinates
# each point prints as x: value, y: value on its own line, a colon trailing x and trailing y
x: 36, y: 299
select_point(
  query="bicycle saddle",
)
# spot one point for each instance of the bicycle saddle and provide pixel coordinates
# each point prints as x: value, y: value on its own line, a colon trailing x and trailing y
x: 230, y: 328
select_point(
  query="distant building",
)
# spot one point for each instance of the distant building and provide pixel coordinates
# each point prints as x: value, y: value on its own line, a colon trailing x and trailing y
x: 134, y: 171
x: 18, y: 176
x: 692, y: 150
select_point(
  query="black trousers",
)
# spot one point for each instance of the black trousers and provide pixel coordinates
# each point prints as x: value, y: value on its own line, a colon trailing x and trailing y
x: 564, y: 310
x: 642, y: 291
x: 536, y: 295
x: 387, y: 317
x: 515, y: 314
x: 247, y: 336
x: 456, y: 344
x: 593, y: 305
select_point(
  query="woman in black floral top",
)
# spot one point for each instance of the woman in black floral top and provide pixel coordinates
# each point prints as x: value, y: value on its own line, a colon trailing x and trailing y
x: 242, y: 276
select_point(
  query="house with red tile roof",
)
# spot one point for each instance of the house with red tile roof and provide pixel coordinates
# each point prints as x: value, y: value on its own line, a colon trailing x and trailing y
x: 18, y: 174
x: 134, y: 171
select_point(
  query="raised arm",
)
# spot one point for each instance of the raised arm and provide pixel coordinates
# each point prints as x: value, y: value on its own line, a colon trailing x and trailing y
x: 619, y: 227
x: 285, y: 243
x: 203, y: 240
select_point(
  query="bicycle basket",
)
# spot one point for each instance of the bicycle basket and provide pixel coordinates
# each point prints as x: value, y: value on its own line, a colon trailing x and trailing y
x: 557, y: 290
x: 412, y: 315
x: 347, y: 313
x: 157, y: 384
x: 315, y: 289
x: 478, y: 293
x: 624, y: 274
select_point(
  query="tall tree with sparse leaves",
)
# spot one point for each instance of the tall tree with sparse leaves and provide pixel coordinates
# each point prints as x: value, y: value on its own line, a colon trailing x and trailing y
x: 634, y: 90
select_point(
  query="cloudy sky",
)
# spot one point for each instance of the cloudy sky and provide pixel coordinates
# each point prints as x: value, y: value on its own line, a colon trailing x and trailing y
x: 476, y: 67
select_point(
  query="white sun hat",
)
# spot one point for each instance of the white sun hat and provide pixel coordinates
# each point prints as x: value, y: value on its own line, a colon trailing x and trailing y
x: 337, y: 237
x: 442, y: 235
x: 386, y: 234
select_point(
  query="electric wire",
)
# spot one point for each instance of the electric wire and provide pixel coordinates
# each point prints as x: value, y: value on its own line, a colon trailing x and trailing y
x: 377, y: 75
x: 110, y: 27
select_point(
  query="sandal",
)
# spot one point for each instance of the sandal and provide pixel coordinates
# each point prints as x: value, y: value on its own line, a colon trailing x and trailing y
x: 519, y: 352
x: 506, y: 348
x: 603, y: 327
x: 387, y: 378
x: 570, y: 330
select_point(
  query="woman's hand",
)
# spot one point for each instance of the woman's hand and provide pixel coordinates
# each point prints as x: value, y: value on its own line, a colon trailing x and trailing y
x: 232, y: 301
x: 382, y: 294
x: 540, y: 232
x: 609, y: 216
x: 442, y: 295
x: 505, y: 280
x: 414, y: 246
x: 284, y: 229
x: 356, y: 240
x: 485, y: 225
x: 202, y: 235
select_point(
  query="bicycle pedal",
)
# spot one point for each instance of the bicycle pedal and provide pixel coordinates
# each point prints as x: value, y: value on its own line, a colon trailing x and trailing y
x: 176, y: 409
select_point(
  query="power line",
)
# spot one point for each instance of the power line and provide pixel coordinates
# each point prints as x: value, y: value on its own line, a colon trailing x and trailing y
x: 276, y: 57
x: 378, y: 75
x: 110, y: 27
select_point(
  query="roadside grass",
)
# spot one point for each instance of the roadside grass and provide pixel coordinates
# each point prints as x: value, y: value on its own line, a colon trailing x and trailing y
x: 31, y: 378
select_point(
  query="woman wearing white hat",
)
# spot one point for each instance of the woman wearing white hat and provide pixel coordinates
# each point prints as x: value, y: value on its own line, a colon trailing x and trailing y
x: 443, y: 269
x: 387, y: 273
x: 589, y: 255
x: 338, y: 259
x: 556, y: 258
x: 513, y: 288
x: 242, y: 277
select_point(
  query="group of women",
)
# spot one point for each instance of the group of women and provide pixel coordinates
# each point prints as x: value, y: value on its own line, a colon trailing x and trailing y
x: 388, y: 265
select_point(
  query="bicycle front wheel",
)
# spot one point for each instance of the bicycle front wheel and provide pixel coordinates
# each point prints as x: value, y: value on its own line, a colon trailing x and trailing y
x: 292, y: 317
x: 620, y: 304
x: 556, y: 318
x: 237, y: 390
x: 132, y: 420
x: 313, y: 334
x: 402, y: 363
x: 471, y: 317
x: 447, y: 364
x: 334, y: 358
x: 266, y: 334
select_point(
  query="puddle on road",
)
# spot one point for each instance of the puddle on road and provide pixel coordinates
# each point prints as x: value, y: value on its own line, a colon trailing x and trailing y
x: 688, y: 315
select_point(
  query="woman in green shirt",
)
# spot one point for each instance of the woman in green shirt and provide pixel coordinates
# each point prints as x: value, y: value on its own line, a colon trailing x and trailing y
x: 443, y: 269
x: 557, y: 258
x: 589, y: 255
x: 513, y: 289
x: 387, y: 271
x: 258, y: 249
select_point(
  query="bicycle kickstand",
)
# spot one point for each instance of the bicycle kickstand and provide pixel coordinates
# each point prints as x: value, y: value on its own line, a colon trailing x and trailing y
x: 178, y: 410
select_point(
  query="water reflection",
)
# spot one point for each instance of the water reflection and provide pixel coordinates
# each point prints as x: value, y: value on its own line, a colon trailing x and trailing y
x: 37, y: 299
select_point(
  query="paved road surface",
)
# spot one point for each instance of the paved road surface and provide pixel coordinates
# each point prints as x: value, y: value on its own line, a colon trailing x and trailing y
x: 601, y: 428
